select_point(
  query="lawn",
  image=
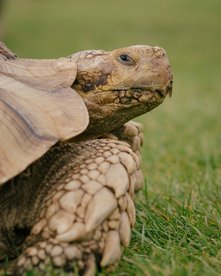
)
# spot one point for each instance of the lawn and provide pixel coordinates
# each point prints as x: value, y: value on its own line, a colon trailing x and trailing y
x: 178, y: 229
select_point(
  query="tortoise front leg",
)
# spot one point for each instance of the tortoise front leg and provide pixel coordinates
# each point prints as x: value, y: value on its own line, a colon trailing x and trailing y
x: 131, y: 133
x: 87, y: 215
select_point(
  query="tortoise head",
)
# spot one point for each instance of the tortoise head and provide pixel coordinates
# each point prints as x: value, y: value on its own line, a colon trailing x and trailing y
x: 121, y: 84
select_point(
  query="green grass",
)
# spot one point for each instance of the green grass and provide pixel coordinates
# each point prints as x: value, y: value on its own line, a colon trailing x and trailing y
x: 178, y: 229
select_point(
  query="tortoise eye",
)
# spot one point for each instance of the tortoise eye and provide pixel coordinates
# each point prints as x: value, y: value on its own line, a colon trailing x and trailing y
x: 125, y: 59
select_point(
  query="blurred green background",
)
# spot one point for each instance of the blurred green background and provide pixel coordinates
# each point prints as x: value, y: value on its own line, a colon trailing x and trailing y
x: 182, y: 155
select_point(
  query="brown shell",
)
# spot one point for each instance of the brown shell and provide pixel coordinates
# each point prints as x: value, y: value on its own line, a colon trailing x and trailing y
x: 38, y: 107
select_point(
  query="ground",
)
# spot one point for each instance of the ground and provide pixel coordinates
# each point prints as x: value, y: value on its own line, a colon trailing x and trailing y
x: 178, y: 229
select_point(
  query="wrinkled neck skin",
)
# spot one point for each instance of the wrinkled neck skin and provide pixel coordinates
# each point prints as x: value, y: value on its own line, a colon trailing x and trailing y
x: 104, y: 120
x: 120, y: 85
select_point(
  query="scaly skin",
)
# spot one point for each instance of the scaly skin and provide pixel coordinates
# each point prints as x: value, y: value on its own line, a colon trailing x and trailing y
x: 74, y: 206
x: 88, y: 214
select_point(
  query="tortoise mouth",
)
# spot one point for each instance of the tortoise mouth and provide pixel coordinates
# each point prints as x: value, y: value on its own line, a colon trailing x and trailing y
x: 126, y: 97
x: 138, y: 94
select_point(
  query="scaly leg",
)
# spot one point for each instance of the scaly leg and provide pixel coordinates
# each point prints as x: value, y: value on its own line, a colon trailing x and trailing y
x: 88, y: 212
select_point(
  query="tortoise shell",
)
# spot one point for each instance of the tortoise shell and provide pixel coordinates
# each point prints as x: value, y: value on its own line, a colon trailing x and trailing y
x: 38, y: 108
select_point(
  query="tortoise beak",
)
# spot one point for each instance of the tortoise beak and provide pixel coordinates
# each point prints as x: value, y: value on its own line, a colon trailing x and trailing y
x: 169, y: 88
